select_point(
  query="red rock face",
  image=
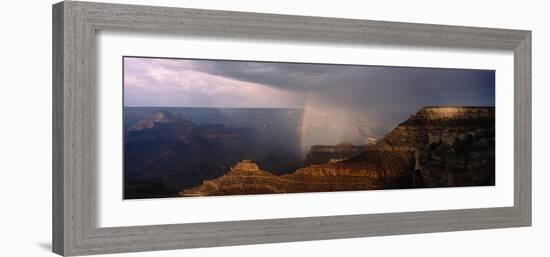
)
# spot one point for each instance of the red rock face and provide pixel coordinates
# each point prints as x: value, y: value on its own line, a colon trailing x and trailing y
x: 436, y: 147
x: 246, y: 178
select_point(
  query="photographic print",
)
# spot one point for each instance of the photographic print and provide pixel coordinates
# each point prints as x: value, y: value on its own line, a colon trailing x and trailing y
x: 197, y: 127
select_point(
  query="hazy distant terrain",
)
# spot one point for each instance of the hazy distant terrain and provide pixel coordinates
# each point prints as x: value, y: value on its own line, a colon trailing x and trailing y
x: 168, y: 149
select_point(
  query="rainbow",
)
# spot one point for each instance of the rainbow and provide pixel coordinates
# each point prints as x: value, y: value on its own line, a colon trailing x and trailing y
x: 304, y: 123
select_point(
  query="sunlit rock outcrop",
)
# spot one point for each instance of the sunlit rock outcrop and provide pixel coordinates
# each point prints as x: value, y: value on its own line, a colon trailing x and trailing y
x: 246, y: 178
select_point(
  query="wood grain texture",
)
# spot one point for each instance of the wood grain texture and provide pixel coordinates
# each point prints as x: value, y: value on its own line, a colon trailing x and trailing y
x: 74, y: 124
x: 522, y: 128
x: 57, y: 124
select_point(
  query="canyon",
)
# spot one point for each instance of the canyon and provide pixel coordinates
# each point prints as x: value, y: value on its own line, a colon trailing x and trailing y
x: 439, y: 146
x: 171, y: 148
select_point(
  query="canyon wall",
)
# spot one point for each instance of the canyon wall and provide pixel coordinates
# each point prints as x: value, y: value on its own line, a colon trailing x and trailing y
x: 453, y: 146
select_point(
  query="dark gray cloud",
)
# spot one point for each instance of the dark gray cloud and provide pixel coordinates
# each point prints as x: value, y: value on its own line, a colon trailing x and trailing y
x: 387, y: 94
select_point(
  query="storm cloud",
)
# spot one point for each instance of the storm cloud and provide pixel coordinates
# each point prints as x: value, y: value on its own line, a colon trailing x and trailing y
x: 386, y: 95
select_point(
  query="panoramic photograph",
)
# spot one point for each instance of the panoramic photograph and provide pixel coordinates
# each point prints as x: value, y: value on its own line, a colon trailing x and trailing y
x: 198, y: 127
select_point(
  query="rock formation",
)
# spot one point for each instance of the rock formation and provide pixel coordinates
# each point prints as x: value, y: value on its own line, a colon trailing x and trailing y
x: 149, y: 122
x: 246, y: 178
x: 454, y: 146
x: 436, y: 147
x: 320, y: 154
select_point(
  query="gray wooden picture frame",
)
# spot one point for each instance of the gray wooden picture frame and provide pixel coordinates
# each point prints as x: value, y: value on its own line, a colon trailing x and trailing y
x: 75, y: 25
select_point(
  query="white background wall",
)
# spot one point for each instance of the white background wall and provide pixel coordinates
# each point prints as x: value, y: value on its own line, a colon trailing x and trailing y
x: 25, y: 127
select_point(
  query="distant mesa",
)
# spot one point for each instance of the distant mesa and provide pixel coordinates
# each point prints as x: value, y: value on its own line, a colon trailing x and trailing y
x: 149, y: 122
x: 321, y: 154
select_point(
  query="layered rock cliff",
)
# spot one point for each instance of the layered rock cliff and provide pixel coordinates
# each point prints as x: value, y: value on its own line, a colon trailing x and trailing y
x: 453, y: 146
x: 436, y: 147
x: 247, y: 178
